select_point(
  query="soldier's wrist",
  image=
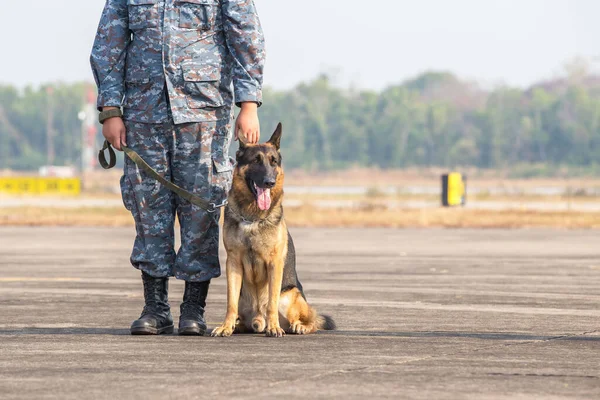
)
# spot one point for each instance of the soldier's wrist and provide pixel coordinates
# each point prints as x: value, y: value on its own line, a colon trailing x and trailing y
x: 108, y: 113
x: 249, y: 105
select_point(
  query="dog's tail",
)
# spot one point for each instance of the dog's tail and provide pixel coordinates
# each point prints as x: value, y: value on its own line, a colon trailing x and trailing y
x: 325, y: 322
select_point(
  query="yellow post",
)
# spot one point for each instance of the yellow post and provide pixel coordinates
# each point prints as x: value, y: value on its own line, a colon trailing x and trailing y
x: 453, y: 189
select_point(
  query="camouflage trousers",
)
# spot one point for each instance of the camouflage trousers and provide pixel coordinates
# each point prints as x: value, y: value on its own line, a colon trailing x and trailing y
x: 195, y: 157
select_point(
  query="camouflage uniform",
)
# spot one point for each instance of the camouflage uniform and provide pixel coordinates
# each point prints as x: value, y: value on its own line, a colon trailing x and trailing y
x: 170, y: 64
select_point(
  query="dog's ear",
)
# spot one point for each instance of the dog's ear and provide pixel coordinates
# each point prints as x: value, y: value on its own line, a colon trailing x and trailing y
x: 276, y: 138
x: 240, y: 152
x: 242, y: 140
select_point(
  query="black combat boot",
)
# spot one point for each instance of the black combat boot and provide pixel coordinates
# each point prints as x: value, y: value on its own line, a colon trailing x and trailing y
x: 191, y: 321
x: 156, y: 317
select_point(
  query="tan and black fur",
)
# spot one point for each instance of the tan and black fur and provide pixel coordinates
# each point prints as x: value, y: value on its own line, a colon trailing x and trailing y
x: 263, y: 290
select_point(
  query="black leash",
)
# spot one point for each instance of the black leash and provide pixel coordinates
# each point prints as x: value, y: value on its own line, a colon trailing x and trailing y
x: 139, y: 161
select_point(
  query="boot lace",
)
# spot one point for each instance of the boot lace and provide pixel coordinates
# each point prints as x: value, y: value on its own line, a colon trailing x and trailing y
x: 192, y: 308
x: 151, y: 288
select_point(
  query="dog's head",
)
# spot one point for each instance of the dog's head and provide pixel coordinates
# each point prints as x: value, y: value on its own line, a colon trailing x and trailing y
x: 260, y: 167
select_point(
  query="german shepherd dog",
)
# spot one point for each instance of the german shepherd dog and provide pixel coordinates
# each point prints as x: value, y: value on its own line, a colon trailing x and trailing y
x: 263, y: 290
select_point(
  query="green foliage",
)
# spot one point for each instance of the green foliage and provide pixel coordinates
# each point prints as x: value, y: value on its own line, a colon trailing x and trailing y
x: 24, y: 120
x: 433, y: 120
x: 438, y: 120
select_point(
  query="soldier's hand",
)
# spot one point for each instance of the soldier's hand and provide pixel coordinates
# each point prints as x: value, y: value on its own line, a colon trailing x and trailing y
x: 247, y: 123
x: 113, y: 130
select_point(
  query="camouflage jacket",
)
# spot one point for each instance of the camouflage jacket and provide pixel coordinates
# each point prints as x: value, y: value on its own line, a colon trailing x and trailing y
x: 150, y: 55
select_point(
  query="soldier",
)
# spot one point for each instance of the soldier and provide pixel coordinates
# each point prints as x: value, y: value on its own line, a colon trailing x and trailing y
x: 170, y: 65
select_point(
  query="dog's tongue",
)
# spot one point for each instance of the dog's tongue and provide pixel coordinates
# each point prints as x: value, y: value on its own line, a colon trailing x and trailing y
x: 264, y: 198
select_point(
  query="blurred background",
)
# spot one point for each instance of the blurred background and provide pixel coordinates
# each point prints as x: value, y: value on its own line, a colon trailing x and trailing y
x: 378, y: 100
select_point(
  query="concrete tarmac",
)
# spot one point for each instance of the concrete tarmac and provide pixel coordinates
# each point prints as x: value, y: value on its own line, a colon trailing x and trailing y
x: 422, y: 314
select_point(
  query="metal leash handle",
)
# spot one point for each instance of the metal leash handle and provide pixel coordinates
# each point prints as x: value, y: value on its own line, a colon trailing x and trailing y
x: 139, y: 161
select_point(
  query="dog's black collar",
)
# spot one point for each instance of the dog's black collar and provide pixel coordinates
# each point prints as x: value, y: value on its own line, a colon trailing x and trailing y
x: 237, y: 216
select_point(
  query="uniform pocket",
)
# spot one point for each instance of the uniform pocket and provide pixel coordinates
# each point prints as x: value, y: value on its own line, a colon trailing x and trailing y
x: 222, y: 166
x: 143, y: 14
x: 141, y: 93
x: 201, y: 84
x: 141, y: 191
x: 197, y: 14
x: 127, y: 193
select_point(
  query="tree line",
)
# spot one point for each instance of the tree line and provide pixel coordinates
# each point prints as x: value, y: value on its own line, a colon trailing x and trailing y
x: 435, y: 119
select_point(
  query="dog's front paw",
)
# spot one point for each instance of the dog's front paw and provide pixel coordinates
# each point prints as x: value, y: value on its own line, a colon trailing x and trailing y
x: 275, y: 331
x: 299, y: 329
x: 223, y: 330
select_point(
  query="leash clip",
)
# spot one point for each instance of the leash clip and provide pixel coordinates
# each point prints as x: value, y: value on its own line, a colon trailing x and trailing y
x: 214, y: 207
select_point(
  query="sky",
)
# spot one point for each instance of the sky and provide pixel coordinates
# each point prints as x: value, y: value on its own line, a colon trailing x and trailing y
x: 365, y: 44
